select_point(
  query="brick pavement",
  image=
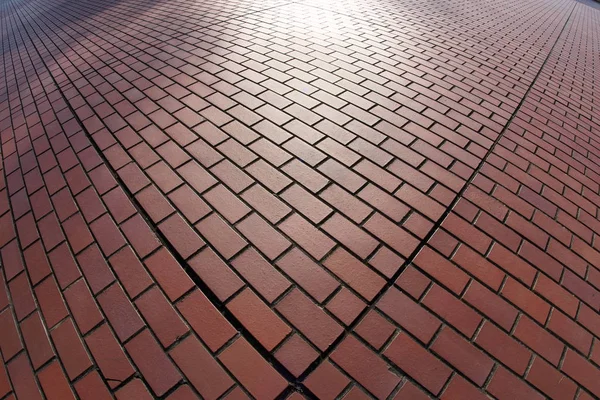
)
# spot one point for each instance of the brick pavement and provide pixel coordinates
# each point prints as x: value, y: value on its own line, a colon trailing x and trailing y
x: 299, y: 199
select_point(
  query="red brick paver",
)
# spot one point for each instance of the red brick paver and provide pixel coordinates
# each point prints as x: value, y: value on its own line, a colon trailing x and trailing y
x: 299, y: 199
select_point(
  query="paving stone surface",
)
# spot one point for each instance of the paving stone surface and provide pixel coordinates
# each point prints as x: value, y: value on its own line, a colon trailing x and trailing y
x: 357, y: 199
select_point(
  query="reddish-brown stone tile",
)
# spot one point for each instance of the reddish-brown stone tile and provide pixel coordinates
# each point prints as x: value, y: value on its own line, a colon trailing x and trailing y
x: 258, y: 318
x: 505, y: 385
x: 269, y: 282
x: 309, y: 319
x: 258, y: 377
x: 356, y: 274
x: 95, y: 268
x: 54, y: 383
x: 120, y: 312
x: 21, y: 296
x: 203, y: 372
x: 139, y: 234
x: 22, y: 378
x: 315, y: 242
x: 364, y: 366
x: 206, y: 320
x: 219, y: 234
x: 36, y: 340
x: 50, y: 302
x: 130, y: 271
x: 91, y: 387
x: 216, y: 274
x: 418, y: 363
x: 334, y: 119
x: 161, y: 317
x: 134, y: 389
x: 154, y: 365
x: 109, y: 356
x: 263, y: 236
x: 82, y: 306
x: 326, y: 381
x: 70, y: 349
x: 309, y: 275
x: 169, y: 274
x: 375, y: 329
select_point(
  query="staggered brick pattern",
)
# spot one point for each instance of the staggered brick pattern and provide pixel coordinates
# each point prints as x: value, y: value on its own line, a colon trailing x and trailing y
x: 299, y: 199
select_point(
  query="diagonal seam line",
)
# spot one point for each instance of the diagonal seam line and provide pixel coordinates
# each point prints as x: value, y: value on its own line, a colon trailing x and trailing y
x: 297, y: 382
x: 438, y: 223
x: 293, y: 382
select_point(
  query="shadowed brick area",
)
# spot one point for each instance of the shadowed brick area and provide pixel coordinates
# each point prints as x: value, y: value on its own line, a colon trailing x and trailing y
x: 299, y: 199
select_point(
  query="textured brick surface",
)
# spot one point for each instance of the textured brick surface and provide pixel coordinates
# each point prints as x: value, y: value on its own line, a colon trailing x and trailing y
x: 276, y: 199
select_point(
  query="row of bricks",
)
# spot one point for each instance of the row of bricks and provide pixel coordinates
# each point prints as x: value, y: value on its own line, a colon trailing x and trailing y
x: 207, y: 233
x: 123, y: 318
x: 525, y: 331
x: 422, y: 61
x: 71, y: 200
x: 253, y: 268
x: 447, y: 344
x: 424, y: 326
x: 466, y: 320
x: 498, y: 33
x: 313, y: 67
x: 158, y: 22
